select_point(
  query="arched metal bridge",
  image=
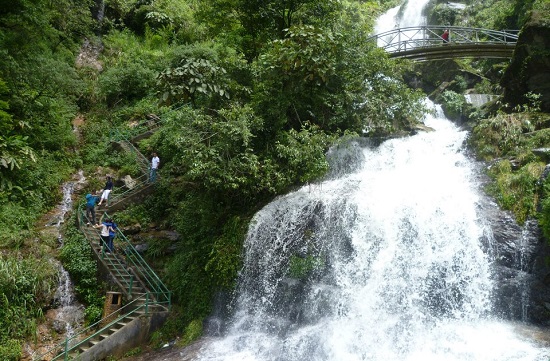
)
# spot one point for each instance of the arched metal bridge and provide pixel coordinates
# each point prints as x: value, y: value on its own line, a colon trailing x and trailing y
x: 426, y: 43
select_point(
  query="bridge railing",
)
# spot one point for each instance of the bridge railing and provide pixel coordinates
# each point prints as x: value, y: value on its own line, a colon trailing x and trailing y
x: 405, y: 39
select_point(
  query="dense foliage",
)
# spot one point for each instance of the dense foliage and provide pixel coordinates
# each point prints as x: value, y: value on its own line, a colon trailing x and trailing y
x: 39, y: 94
x: 76, y: 256
x: 250, y: 93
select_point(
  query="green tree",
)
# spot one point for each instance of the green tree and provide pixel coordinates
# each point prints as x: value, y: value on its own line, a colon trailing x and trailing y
x: 256, y: 22
x: 332, y: 80
x: 192, y: 78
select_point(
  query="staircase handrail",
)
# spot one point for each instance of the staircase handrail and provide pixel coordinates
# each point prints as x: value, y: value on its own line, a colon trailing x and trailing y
x: 141, y: 181
x: 127, y: 134
x: 153, y: 122
x: 158, y: 296
x: 117, y: 136
x: 149, y: 278
x: 152, y: 280
x: 69, y: 348
x: 119, y: 268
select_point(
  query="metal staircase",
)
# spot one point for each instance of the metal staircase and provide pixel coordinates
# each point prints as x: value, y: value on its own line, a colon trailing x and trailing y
x: 118, y: 200
x: 144, y: 293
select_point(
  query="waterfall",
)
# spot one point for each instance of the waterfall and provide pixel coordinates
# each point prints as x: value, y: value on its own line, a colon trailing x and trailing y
x: 69, y: 313
x: 410, y: 13
x: 385, y: 260
x: 478, y: 100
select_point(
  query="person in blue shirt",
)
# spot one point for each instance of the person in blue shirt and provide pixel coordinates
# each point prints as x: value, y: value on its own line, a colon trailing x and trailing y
x: 112, y: 233
x: 91, y: 201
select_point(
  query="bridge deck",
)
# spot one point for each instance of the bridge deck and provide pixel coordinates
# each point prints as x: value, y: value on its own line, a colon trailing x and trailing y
x: 425, y: 43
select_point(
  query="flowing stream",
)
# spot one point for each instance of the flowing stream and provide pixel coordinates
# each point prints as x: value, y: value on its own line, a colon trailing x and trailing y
x: 69, y: 312
x: 385, y: 261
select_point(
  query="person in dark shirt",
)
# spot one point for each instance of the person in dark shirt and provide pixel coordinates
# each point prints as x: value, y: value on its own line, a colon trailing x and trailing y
x: 106, y: 190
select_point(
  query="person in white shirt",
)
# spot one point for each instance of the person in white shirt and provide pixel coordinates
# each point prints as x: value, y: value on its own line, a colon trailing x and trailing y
x: 106, y: 240
x: 155, y: 161
x: 106, y: 190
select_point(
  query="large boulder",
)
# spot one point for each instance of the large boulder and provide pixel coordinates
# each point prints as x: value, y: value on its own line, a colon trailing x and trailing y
x: 529, y: 70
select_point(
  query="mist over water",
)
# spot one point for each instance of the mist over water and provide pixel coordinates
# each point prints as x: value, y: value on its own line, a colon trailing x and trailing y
x: 383, y: 261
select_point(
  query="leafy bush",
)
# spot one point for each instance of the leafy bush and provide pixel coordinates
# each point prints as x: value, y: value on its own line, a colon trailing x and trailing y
x: 126, y: 82
x: 135, y: 213
x: 76, y: 256
x: 444, y: 14
x: 516, y: 191
x: 192, y: 332
x: 23, y: 292
x: 225, y: 258
x: 10, y: 350
x: 452, y: 104
x: 15, y: 224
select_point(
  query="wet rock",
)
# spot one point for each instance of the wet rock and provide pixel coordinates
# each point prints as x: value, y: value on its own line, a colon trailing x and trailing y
x: 58, y: 326
x: 529, y: 70
x: 170, y: 235
x: 129, y: 182
x: 132, y: 229
x: 141, y: 248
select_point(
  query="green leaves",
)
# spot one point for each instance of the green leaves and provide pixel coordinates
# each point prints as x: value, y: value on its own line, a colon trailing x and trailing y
x: 13, y: 150
x: 307, y: 53
x: 190, y: 79
x: 77, y: 259
x: 224, y: 259
x: 303, y: 153
x: 22, y: 293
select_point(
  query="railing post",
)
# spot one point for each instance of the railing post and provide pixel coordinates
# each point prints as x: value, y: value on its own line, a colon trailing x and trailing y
x: 131, y: 284
x: 66, y: 356
x: 147, y: 304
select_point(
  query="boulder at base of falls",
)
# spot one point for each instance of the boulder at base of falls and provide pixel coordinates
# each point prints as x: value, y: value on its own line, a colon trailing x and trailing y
x: 520, y: 266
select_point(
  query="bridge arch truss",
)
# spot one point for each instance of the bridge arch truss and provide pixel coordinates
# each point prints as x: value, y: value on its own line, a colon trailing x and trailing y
x: 426, y: 42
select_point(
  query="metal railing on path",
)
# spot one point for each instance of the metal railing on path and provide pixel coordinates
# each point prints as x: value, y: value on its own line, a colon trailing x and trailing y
x: 427, y: 43
x: 130, y: 272
x: 71, y: 345
x: 153, y: 284
x: 131, y: 268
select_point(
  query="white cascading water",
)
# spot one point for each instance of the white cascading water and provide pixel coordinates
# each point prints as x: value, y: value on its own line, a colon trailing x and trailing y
x: 384, y: 262
x: 410, y: 13
x: 69, y: 312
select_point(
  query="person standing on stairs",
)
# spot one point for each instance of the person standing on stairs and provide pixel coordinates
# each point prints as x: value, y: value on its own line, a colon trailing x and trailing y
x: 106, y: 190
x: 155, y: 161
x: 106, y: 242
x: 112, y: 233
x: 91, y: 201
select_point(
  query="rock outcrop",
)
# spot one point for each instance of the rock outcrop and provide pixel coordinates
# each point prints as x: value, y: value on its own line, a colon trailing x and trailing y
x: 529, y: 70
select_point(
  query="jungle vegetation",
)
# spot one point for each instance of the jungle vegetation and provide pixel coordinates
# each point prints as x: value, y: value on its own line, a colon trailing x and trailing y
x: 251, y: 94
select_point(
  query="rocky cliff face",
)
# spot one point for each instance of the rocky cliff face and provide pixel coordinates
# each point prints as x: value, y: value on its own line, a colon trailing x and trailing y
x: 530, y: 67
